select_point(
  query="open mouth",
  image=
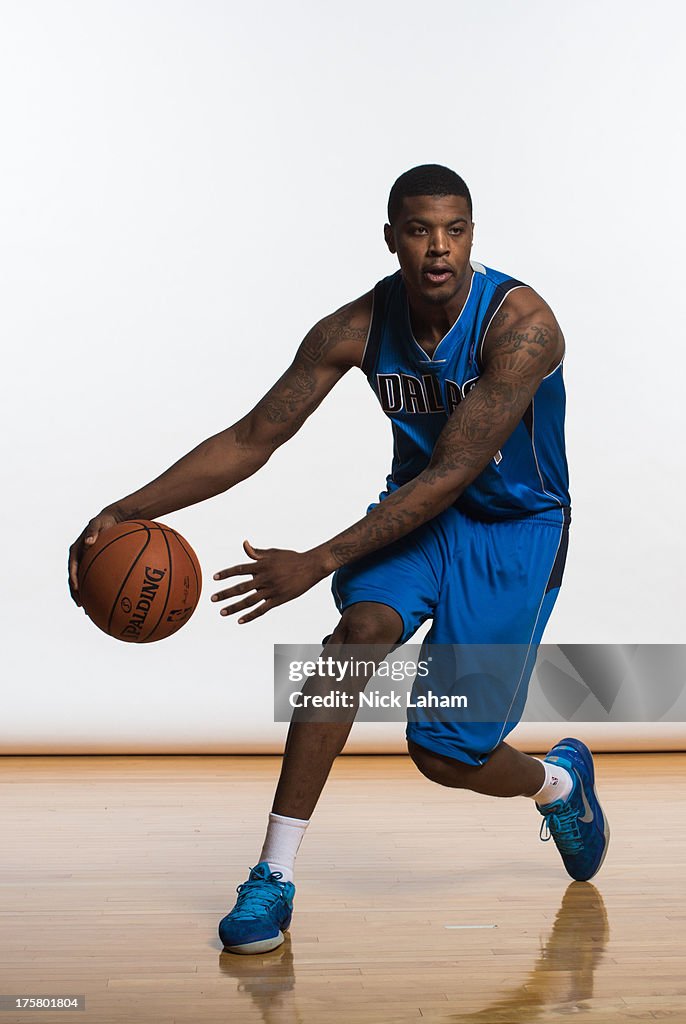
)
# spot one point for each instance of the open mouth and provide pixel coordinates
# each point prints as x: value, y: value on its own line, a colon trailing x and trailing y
x: 438, y: 275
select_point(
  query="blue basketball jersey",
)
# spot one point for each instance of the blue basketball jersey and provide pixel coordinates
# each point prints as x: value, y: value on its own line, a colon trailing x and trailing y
x: 418, y: 393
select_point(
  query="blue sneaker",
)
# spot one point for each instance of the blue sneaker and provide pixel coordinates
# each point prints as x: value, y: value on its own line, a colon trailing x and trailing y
x: 262, y: 913
x: 577, y: 825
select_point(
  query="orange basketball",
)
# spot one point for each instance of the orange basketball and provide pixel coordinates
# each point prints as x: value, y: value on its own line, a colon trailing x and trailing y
x: 140, y: 581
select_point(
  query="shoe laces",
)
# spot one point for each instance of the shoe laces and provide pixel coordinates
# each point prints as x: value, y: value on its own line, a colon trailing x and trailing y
x: 562, y: 826
x: 258, y: 894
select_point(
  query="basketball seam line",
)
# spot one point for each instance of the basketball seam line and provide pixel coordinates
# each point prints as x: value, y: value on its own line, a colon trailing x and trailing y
x: 126, y: 578
x: 109, y: 543
x: 191, y: 559
x: 169, y: 582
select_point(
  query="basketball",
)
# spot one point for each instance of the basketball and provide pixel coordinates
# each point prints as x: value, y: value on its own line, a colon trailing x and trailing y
x: 140, y: 581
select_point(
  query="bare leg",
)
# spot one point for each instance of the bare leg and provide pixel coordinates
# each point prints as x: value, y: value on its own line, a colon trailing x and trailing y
x: 312, y: 747
x: 507, y: 772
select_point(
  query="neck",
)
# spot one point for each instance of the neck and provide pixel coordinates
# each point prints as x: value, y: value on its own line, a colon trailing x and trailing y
x: 431, y: 321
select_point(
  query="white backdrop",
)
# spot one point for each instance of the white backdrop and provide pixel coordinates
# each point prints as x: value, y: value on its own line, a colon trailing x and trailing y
x: 187, y: 187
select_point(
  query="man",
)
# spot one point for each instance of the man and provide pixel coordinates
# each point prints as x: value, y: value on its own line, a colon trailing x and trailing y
x: 470, y: 532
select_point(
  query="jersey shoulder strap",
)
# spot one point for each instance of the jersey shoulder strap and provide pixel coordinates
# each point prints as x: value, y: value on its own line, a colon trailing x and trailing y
x: 380, y: 302
x: 500, y: 293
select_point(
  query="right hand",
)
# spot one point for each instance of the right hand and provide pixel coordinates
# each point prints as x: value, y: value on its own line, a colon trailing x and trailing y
x: 104, y: 521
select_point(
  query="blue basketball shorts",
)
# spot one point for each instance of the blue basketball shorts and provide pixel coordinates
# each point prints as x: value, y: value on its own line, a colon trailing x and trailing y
x: 482, y: 583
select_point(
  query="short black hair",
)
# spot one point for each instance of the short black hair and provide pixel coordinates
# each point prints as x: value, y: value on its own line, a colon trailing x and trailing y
x: 426, y: 180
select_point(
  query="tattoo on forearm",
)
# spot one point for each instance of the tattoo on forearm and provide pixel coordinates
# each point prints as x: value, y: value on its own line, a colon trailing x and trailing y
x: 393, y: 519
x: 464, y: 448
x: 468, y: 442
x: 289, y: 395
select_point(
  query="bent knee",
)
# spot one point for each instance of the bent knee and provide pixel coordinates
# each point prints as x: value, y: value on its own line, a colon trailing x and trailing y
x: 425, y: 761
x: 368, y: 623
x: 446, y: 771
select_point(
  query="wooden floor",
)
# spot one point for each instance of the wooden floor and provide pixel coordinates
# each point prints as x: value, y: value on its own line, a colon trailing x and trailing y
x: 414, y: 903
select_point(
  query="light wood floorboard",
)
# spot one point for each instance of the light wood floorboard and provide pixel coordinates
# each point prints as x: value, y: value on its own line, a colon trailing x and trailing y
x: 414, y: 903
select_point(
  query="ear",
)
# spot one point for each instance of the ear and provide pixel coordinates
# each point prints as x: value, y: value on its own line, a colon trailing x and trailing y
x: 390, y: 238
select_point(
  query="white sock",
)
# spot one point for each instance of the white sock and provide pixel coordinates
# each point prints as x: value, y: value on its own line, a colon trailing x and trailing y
x: 557, y: 785
x: 284, y: 836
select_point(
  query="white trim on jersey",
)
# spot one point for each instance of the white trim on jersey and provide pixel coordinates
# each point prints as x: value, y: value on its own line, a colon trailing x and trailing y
x: 533, y: 633
x: 533, y: 448
x: 556, y: 368
x: 479, y: 353
x: 369, y: 330
x: 428, y: 358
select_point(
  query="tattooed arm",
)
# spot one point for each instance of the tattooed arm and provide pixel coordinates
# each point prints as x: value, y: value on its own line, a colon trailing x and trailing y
x: 523, y: 345
x: 330, y: 348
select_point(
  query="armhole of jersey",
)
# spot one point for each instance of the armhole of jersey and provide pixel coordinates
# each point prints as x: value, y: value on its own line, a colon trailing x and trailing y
x: 559, y: 365
x: 499, y: 296
x: 371, y: 348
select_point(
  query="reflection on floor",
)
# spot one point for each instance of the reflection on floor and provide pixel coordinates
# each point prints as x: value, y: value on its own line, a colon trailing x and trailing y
x: 414, y: 904
x: 560, y: 981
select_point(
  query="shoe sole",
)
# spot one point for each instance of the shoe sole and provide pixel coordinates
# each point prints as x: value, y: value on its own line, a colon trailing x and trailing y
x: 581, y: 748
x: 261, y: 946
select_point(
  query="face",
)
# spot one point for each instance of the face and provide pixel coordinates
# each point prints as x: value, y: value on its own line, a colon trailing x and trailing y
x: 432, y: 237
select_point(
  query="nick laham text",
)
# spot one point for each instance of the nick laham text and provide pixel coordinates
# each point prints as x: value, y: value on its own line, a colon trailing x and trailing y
x: 377, y: 699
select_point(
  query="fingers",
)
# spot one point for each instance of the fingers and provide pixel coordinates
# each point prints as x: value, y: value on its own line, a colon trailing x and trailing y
x: 234, y: 570
x: 74, y: 592
x: 98, y: 524
x: 90, y: 534
x: 252, y: 552
x: 89, y: 537
x: 240, y: 606
x: 250, y: 587
x: 241, y: 570
x: 73, y: 567
x: 240, y: 588
x: 74, y: 571
x: 260, y: 610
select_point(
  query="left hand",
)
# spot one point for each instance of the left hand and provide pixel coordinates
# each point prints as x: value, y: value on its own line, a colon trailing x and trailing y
x: 277, y: 576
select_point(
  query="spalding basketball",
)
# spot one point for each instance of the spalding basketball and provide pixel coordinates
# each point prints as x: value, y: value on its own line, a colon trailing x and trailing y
x: 140, y: 581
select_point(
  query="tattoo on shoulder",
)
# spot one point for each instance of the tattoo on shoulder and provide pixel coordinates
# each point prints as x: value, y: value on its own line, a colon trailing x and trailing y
x: 499, y: 320
x: 288, y: 403
x: 330, y: 332
x: 534, y: 337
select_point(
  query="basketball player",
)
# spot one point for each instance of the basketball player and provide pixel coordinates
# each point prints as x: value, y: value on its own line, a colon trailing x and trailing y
x: 470, y: 532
